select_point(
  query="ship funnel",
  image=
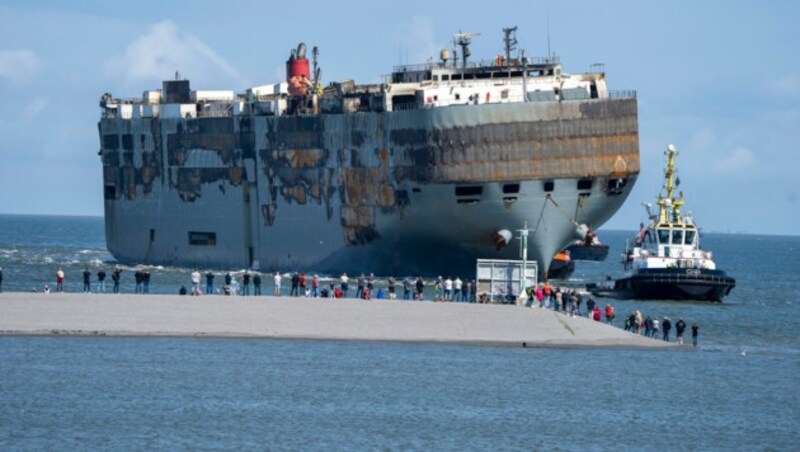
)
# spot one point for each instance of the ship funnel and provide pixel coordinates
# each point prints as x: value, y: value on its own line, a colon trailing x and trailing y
x: 298, y: 72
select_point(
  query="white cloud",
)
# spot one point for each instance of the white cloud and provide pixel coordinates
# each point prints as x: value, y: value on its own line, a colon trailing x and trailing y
x: 157, y: 54
x: 35, y: 107
x: 19, y: 65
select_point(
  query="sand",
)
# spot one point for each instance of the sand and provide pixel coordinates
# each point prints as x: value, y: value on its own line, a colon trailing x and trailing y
x: 305, y: 318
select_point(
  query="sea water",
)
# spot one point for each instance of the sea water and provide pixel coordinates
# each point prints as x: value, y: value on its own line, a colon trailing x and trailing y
x: 735, y: 391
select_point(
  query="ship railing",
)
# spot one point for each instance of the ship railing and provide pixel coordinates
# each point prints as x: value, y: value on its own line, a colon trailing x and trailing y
x: 622, y: 94
x: 531, y: 61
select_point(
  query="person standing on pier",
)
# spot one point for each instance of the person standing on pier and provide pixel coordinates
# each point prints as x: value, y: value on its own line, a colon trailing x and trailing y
x: 315, y: 286
x: 610, y: 314
x: 257, y: 284
x: 695, y: 329
x: 391, y: 283
x: 371, y: 283
x: 87, y: 280
x: 59, y: 280
x: 680, y: 327
x: 590, y: 305
x: 146, y: 282
x: 420, y: 286
x: 277, y: 279
x: 138, y: 278
x: 344, y: 279
x: 195, y: 282
x: 295, y: 284
x: 228, y: 283
x: 303, y: 285
x: 246, y: 283
x: 1, y: 279
x: 115, y: 276
x: 667, y: 326
x: 548, y: 294
x: 209, y: 283
x: 360, y: 286
x: 101, y: 280
x: 407, y: 288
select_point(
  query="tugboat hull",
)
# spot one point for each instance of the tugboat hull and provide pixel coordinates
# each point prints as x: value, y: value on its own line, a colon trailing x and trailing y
x: 674, y: 284
x: 580, y: 252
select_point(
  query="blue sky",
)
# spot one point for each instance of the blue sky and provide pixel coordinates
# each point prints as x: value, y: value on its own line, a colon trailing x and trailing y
x: 719, y: 79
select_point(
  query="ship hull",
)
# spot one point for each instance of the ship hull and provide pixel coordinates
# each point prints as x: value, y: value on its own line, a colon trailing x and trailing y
x: 672, y: 284
x: 390, y: 193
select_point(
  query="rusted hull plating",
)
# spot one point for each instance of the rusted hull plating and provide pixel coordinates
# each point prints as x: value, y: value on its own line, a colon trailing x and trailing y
x: 392, y: 193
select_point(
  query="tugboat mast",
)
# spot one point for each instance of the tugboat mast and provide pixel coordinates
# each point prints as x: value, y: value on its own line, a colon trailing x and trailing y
x: 665, y: 203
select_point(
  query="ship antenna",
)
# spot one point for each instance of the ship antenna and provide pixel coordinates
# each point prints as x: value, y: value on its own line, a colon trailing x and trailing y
x: 547, y: 15
x: 510, y: 42
x: 464, y: 40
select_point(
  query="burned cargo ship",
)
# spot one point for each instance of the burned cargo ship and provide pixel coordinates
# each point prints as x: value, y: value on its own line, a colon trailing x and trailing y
x: 420, y: 174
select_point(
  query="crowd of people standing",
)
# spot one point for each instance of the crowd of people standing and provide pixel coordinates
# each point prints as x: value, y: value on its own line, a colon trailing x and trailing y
x: 570, y: 301
x: 367, y: 287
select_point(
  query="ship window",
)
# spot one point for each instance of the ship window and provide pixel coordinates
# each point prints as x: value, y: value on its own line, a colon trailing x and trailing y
x: 127, y: 142
x: 110, y: 192
x: 416, y: 190
x: 549, y: 186
x: 445, y: 77
x: 111, y: 141
x: 202, y: 238
x: 469, y: 190
x: 663, y: 236
x: 456, y: 76
x: 435, y: 78
x: 469, y: 76
x: 584, y: 184
x: 483, y: 75
x: 404, y: 101
x: 458, y: 96
x: 516, y: 74
x: 689, y: 237
x: 677, y: 237
x: 511, y: 188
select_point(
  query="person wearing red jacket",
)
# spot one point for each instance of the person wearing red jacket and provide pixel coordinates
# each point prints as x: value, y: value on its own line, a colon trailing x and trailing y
x: 609, y: 314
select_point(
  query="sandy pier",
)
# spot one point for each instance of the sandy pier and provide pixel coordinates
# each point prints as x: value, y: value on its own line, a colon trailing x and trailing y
x: 304, y: 318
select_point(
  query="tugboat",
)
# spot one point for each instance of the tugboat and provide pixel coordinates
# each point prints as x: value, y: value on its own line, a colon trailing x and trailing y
x: 588, y: 249
x: 666, y: 261
x: 561, y: 267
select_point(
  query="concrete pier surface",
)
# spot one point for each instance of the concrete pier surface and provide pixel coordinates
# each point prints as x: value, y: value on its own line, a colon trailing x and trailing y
x: 305, y: 318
